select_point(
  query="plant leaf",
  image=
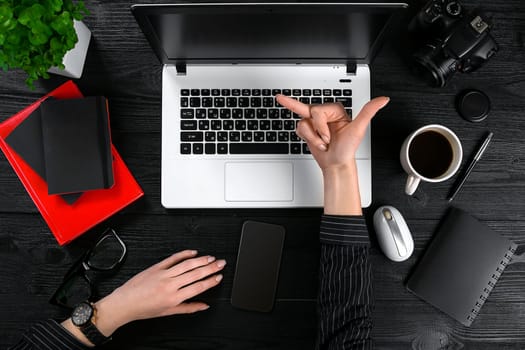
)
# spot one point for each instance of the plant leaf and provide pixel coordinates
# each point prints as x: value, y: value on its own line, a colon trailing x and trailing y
x: 62, y: 23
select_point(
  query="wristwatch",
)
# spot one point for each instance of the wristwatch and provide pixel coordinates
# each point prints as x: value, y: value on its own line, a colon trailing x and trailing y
x: 82, y: 317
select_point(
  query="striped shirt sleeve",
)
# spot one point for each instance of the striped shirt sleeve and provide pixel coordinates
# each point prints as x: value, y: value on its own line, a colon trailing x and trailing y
x: 345, y: 295
x: 48, y: 335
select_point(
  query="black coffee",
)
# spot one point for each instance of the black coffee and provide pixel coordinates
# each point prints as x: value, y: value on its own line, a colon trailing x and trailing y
x: 430, y: 154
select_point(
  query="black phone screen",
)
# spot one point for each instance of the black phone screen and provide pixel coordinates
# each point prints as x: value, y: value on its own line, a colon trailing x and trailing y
x: 257, y: 269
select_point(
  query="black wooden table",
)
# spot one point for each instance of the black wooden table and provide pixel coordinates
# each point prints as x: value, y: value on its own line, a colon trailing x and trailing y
x: 121, y: 66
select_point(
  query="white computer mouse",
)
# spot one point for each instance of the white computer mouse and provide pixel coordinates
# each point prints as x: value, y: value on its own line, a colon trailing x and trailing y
x: 393, y: 234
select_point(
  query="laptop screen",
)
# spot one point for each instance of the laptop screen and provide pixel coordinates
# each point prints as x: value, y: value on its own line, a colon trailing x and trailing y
x: 265, y: 32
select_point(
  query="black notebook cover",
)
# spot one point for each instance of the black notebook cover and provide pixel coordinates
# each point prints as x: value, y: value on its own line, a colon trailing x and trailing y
x: 461, y: 266
x: 26, y: 140
x: 77, y: 144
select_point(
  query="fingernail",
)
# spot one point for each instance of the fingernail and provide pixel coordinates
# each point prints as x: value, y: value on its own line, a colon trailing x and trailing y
x: 205, y: 307
x: 211, y: 259
x: 193, y: 252
x: 322, y: 147
x: 218, y: 278
x: 325, y: 138
x: 221, y: 263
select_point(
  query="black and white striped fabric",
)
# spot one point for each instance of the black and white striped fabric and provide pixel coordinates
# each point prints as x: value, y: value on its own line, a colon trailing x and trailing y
x: 345, y: 290
x: 48, y: 335
x: 345, y: 296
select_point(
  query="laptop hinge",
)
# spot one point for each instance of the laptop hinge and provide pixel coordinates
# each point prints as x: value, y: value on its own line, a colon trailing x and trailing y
x: 351, y: 68
x: 181, y: 68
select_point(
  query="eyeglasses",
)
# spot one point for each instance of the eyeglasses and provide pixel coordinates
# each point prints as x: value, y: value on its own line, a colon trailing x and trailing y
x: 106, y: 256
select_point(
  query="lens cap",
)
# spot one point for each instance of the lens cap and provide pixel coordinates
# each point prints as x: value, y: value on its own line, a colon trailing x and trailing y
x: 473, y: 105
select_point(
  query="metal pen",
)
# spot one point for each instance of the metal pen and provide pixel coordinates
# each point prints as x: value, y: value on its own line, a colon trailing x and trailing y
x: 473, y: 163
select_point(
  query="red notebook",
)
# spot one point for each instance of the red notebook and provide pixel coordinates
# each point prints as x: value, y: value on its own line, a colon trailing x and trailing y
x: 69, y: 221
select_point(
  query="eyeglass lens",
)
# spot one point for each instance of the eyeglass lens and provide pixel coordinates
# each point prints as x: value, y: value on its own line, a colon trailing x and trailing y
x: 108, y: 253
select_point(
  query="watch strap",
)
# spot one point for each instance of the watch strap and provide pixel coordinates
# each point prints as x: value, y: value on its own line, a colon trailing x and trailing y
x: 93, y: 334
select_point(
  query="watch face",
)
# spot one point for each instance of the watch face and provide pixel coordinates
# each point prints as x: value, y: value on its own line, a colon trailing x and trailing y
x: 82, y: 314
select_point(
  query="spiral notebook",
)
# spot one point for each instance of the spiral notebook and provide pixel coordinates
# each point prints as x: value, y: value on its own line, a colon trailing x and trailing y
x: 461, y: 266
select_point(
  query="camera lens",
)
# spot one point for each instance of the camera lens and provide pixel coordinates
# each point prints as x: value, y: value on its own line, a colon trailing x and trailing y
x: 453, y: 8
x: 433, y: 65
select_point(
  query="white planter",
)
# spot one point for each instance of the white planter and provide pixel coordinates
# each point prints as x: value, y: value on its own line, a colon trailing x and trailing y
x: 75, y: 58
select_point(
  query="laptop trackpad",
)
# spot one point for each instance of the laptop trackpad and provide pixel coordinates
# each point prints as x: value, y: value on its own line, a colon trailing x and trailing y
x: 258, y: 181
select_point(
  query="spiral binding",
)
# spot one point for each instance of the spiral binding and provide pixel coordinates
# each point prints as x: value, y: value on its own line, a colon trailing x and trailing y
x: 491, y: 283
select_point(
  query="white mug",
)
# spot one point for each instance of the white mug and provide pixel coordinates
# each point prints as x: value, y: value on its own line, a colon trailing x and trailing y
x: 419, y: 152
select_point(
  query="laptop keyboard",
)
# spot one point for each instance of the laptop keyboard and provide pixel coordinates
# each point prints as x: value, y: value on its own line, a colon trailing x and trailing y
x: 247, y: 121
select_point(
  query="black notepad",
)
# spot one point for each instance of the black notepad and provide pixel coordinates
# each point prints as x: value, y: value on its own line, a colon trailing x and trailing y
x: 26, y: 140
x: 461, y: 266
x: 77, y: 144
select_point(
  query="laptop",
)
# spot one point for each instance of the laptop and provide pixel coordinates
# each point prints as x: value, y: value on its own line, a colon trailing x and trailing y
x: 226, y: 143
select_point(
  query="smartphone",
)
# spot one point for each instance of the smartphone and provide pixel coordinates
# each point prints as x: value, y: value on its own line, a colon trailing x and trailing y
x: 257, y: 269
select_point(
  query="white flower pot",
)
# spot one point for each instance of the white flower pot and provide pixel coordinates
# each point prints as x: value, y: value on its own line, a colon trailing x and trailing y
x: 75, y: 58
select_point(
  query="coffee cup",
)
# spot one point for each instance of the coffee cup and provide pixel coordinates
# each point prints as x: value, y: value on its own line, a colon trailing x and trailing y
x: 432, y: 153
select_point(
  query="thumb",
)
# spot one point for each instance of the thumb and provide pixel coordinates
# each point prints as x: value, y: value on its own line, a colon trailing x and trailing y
x: 368, y: 111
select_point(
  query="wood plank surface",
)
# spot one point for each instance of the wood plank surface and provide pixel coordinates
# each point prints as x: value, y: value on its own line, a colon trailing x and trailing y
x: 121, y: 66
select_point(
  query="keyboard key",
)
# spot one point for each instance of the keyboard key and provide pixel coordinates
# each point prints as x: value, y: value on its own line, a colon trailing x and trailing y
x: 227, y: 125
x: 295, y: 148
x: 255, y: 102
x: 216, y: 125
x: 347, y: 92
x: 210, y: 136
x: 253, y: 125
x: 201, y: 113
x: 277, y: 124
x: 231, y: 102
x: 328, y: 100
x: 256, y: 92
x: 304, y: 100
x: 215, y: 92
x: 187, y: 113
x: 188, y: 125
x: 287, y: 92
x: 240, y: 125
x: 306, y: 150
x: 296, y: 92
x: 236, y: 92
x: 276, y: 92
x: 286, y: 114
x: 327, y: 92
x: 337, y: 92
x: 345, y: 101
x: 195, y: 92
x: 264, y: 125
x: 185, y: 92
x: 222, y: 148
x: 262, y: 113
x: 213, y: 113
x: 259, y: 148
x: 191, y: 136
x: 317, y: 92
x: 184, y: 102
x: 316, y: 100
x: 234, y: 136
x: 244, y: 102
x: 249, y: 113
x: 185, y: 148
x: 246, y: 92
x: 271, y: 136
x: 225, y: 92
x: 237, y: 113
x: 247, y: 136
x: 258, y: 136
x: 209, y: 148
x: 225, y: 113
x: 307, y: 92
x: 289, y: 125
x: 197, y: 148
x: 195, y: 102
x: 283, y: 136
x: 205, y: 92
x: 294, y: 137
x: 267, y: 92
x: 349, y: 112
x: 207, y: 102
x: 218, y: 102
x: 268, y: 102
x: 204, y: 124
x: 273, y: 113
x: 222, y: 136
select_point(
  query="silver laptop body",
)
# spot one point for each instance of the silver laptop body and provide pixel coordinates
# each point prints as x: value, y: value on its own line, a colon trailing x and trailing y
x: 225, y: 142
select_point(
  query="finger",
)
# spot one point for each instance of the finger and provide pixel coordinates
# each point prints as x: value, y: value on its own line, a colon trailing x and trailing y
x: 324, y: 114
x: 295, y: 106
x: 368, y: 111
x: 190, y: 264
x: 175, y: 259
x: 200, y: 273
x: 187, y: 308
x: 198, y: 287
x: 305, y: 130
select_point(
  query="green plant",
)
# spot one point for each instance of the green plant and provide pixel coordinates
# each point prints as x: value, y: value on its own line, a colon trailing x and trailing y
x: 36, y: 34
